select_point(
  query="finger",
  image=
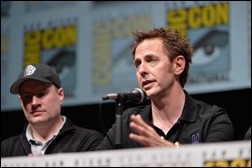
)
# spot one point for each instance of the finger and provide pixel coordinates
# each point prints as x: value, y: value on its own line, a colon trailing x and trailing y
x: 146, y: 141
x: 138, y: 119
x: 138, y: 138
x: 137, y: 128
x: 141, y: 127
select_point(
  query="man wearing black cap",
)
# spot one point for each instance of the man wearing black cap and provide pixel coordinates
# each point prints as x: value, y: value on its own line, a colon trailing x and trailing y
x: 47, y: 131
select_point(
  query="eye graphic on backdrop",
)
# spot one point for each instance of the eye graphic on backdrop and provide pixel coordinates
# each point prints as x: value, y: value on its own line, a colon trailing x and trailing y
x: 208, y: 48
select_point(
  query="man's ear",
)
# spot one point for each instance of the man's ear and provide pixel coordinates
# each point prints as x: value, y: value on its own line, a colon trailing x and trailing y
x: 179, y: 64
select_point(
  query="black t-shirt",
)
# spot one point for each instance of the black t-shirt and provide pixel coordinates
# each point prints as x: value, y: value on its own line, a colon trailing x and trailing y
x: 199, y: 123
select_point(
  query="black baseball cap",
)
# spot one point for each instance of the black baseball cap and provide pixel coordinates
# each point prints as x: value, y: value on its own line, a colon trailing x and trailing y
x: 41, y: 72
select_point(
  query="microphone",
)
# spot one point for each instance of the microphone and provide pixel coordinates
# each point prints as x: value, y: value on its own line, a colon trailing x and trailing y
x: 135, y: 96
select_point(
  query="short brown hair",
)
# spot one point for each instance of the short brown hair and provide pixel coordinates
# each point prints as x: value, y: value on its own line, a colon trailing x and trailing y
x: 174, y: 43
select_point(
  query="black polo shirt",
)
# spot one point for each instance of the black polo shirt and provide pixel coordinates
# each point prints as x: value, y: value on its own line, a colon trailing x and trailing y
x: 199, y: 123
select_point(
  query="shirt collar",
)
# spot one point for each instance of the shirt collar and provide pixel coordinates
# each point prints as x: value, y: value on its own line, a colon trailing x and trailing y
x: 190, y: 109
x: 189, y: 113
x: 29, y: 132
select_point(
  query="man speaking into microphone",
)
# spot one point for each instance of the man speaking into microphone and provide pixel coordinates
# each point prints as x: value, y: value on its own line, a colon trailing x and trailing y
x: 162, y: 58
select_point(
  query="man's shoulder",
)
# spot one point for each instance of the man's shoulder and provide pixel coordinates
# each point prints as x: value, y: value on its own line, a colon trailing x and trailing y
x: 204, y: 105
x: 11, y: 139
x: 137, y: 109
